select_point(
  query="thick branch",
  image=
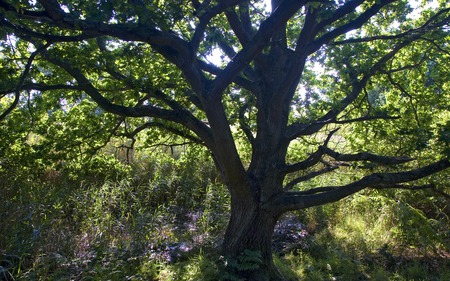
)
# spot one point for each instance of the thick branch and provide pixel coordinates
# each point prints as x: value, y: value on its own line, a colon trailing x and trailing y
x: 85, y: 85
x: 267, y: 28
x: 168, y: 44
x: 243, y: 33
x: 309, y: 30
x: 23, y: 30
x: 405, y: 186
x: 312, y: 160
x: 207, y: 14
x: 352, y: 25
x: 165, y: 127
x: 239, y: 80
x: 415, y: 187
x: 41, y: 87
x: 340, y: 13
x: 150, y: 90
x: 289, y: 201
x: 178, y: 116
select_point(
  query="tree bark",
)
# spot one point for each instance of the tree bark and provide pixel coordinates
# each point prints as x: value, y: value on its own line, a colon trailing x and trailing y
x: 250, y: 228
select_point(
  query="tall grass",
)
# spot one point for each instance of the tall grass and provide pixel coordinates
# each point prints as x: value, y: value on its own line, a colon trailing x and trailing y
x: 374, y: 236
x: 105, y: 220
x: 163, y: 219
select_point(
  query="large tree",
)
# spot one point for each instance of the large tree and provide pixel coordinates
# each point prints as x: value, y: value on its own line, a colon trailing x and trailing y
x: 310, y: 88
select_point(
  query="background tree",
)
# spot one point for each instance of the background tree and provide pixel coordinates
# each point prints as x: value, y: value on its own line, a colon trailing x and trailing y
x: 311, y: 88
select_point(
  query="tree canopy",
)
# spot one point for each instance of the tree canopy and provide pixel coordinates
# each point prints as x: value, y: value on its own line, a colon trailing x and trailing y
x: 300, y: 103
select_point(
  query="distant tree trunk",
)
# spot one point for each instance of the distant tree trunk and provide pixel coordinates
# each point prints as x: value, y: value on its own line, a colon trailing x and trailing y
x: 251, y: 228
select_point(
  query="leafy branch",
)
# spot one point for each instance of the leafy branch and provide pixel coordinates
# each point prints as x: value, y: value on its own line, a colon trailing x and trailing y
x: 19, y: 86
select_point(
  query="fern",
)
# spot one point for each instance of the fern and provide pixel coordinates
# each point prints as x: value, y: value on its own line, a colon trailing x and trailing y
x: 235, y: 268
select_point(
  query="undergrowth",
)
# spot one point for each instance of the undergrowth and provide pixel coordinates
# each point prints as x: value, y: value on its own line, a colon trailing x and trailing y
x: 163, y: 218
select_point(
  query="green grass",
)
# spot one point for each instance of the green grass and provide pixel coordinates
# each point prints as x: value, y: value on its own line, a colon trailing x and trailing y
x: 166, y: 220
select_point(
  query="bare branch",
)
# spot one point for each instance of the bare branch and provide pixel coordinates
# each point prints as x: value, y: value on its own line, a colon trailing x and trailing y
x: 312, y: 160
x: 341, y: 12
x: 405, y: 186
x: 404, y: 92
x: 425, y: 27
x: 439, y: 48
x: 352, y: 25
x: 29, y: 14
x: 165, y: 127
x: 244, y: 126
x: 430, y: 186
x: 366, y: 118
x: 11, y: 107
x: 309, y: 176
x: 288, y: 201
x: 442, y: 193
x: 239, y: 80
x: 41, y: 87
x: 365, y: 156
x: 107, y: 105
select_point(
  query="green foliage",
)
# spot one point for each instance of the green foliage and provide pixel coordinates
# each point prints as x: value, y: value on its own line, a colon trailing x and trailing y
x: 374, y: 236
x: 134, y: 228
x: 99, y: 168
x: 444, y: 137
x: 92, y: 218
x: 235, y: 268
x: 123, y: 77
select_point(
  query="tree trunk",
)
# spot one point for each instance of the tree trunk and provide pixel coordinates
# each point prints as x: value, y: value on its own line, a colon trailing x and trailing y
x: 249, y: 235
